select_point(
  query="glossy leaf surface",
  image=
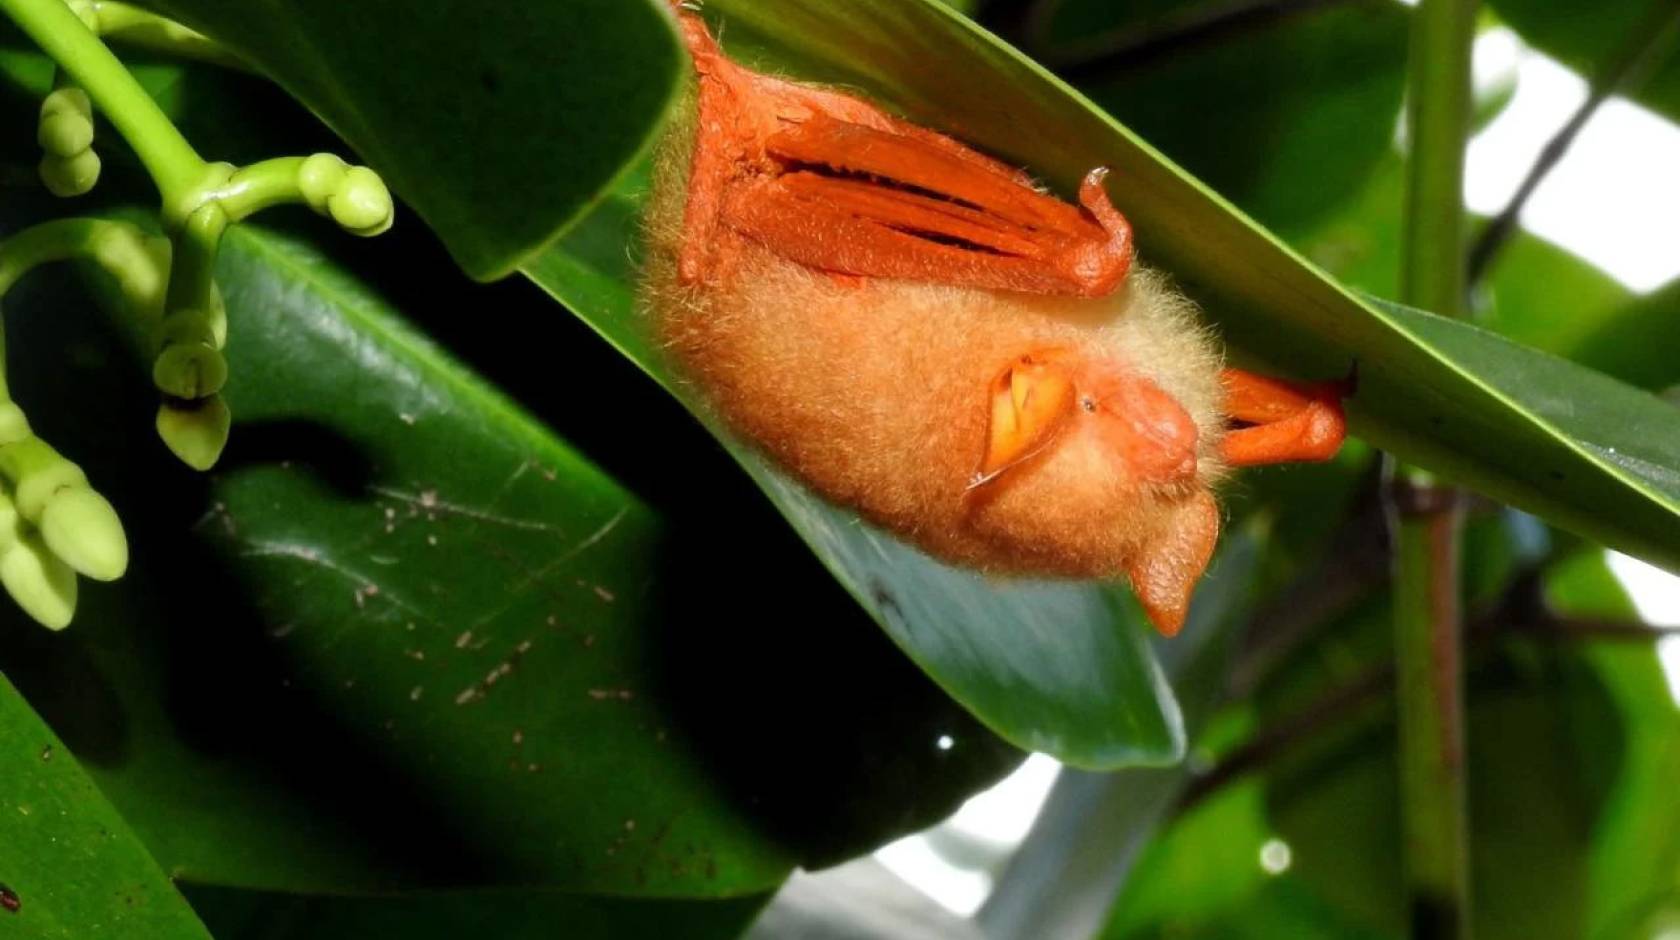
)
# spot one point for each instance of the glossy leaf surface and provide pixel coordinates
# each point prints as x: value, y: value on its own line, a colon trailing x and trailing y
x: 401, y: 599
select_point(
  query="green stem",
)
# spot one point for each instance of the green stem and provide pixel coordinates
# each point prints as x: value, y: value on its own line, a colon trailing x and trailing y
x: 192, y: 274
x: 1429, y: 685
x: 56, y: 240
x: 173, y: 164
x: 261, y: 185
x: 1425, y: 516
x: 1438, y: 123
x: 119, y: 248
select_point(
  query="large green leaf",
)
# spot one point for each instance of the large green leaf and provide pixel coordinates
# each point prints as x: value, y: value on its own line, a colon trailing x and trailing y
x: 1579, y: 430
x: 1544, y: 296
x: 497, y: 122
x: 406, y: 636
x: 1636, y: 344
x: 70, y: 868
x: 1133, y: 718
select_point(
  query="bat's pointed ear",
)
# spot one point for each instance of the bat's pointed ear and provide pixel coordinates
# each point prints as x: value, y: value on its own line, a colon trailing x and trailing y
x: 1030, y: 402
x: 1165, y: 571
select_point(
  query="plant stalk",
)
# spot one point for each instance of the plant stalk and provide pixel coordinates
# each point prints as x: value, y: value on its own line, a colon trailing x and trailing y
x: 1426, y: 517
x: 170, y: 160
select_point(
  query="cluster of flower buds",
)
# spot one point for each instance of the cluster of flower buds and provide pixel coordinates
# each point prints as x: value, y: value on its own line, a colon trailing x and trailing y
x: 69, y: 166
x: 53, y: 526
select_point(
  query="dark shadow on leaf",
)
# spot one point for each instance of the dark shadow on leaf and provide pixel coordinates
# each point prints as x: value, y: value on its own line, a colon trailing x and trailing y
x: 311, y: 447
x: 181, y: 631
x: 818, y: 725
x: 55, y: 674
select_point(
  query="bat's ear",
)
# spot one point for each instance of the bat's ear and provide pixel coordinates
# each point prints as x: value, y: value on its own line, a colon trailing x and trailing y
x: 1165, y: 571
x: 1031, y: 401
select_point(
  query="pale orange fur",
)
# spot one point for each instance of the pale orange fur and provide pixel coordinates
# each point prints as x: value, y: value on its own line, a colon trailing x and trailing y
x: 873, y: 392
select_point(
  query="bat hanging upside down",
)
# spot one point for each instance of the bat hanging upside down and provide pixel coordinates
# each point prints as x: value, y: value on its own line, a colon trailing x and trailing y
x: 920, y: 334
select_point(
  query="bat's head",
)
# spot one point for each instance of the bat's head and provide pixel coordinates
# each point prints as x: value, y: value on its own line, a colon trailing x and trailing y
x: 1083, y: 450
x: 1056, y: 396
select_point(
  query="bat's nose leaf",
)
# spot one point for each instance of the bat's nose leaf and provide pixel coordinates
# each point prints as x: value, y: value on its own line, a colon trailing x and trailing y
x: 1153, y: 432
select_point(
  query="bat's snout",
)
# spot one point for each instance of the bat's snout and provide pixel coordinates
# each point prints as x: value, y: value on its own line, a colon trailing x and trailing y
x: 1148, y: 428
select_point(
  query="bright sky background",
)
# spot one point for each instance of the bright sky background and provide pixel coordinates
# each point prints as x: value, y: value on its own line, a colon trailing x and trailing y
x: 1614, y: 200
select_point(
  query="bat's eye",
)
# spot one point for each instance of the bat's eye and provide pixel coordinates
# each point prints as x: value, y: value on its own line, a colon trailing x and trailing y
x: 1088, y: 403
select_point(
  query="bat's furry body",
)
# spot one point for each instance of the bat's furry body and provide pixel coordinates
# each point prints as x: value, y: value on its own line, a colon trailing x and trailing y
x: 918, y: 333
x: 872, y: 391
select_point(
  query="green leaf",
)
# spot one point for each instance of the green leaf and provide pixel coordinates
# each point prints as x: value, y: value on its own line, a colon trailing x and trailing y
x: 1587, y: 34
x: 70, y: 868
x: 1635, y: 857
x: 1571, y: 436
x: 1572, y: 760
x: 502, y: 914
x: 1292, y: 113
x: 405, y: 636
x: 1547, y: 297
x: 1636, y: 344
x: 1537, y: 293
x: 498, y: 123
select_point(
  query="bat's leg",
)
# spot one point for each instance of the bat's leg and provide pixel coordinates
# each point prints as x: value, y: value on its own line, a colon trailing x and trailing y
x: 1165, y: 572
x: 1288, y: 421
x: 1031, y: 401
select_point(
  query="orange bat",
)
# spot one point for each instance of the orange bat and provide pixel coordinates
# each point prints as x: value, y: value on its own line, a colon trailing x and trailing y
x: 921, y: 334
